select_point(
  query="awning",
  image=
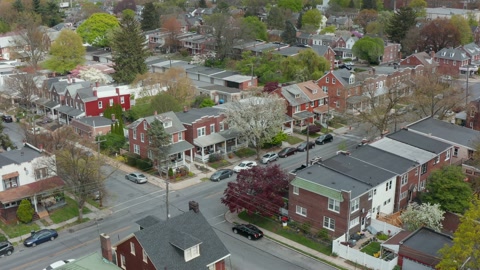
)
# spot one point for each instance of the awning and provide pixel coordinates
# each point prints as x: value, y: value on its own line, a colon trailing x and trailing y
x: 303, y: 115
x: 208, y: 140
x: 10, y: 175
x: 180, y: 147
x: 35, y: 188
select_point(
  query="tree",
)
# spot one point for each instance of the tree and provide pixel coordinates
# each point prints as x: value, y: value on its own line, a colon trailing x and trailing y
x: 207, y: 102
x: 128, y: 49
x: 25, y: 211
x: 461, y: 24
x: 312, y: 19
x: 36, y: 6
x: 446, y: 35
x: 202, y: 3
x: 257, y: 190
x: 95, y: 29
x: 52, y: 14
x: 307, y: 65
x: 369, y: 4
x: 328, y: 29
x: 226, y: 31
x: 18, y: 6
x: 22, y: 85
x: 447, y: 187
x: 276, y: 18
x: 428, y: 215
x: 399, y: 24
x: 66, y: 52
x: 419, y: 7
x: 432, y: 96
x: 465, y: 251
x: 293, y: 5
x: 92, y: 74
x: 111, y: 142
x: 159, y: 141
x: 365, y: 17
x: 124, y: 5
x: 173, y: 28
x: 32, y: 39
x: 377, y: 27
x: 289, y: 35
x: 117, y: 112
x: 76, y: 165
x: 266, y: 67
x: 368, y: 49
x: 258, y: 119
x: 150, y: 17
x: 254, y: 28
x: 164, y: 102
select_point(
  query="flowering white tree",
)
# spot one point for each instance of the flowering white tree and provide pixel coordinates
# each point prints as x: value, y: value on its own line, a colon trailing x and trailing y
x: 93, y: 75
x: 428, y: 215
x: 259, y: 118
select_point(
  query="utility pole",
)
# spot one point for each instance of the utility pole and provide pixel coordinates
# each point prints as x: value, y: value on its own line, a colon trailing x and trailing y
x: 466, y: 88
x: 308, y: 145
x: 98, y: 155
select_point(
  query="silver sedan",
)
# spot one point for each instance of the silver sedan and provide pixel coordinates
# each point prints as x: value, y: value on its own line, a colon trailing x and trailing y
x: 137, y: 177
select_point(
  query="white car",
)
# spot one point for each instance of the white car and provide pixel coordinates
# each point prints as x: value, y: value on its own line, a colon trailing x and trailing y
x: 58, y: 264
x: 244, y: 165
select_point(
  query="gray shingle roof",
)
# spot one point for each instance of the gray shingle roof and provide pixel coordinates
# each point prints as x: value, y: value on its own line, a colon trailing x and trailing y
x: 452, y: 54
x: 148, y: 221
x: 18, y: 156
x: 97, y: 121
x: 294, y: 95
x: 195, y: 114
x: 383, y: 159
x: 177, y: 125
x: 162, y: 242
x: 447, y: 132
x: 419, y: 141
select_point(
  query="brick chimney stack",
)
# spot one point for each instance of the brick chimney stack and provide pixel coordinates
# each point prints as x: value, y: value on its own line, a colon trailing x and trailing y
x: 106, y: 246
x: 185, y: 109
x: 117, y: 90
x: 94, y: 92
x: 97, y: 84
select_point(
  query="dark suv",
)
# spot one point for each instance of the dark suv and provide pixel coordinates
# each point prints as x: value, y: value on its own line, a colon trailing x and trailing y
x: 7, y: 118
x: 6, y: 248
x: 324, y: 139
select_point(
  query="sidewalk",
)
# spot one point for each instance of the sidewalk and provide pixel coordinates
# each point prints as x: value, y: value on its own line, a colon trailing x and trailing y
x: 334, y: 261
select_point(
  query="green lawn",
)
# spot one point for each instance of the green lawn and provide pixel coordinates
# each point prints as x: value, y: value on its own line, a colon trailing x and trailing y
x: 277, y: 228
x: 16, y: 230
x: 67, y: 212
x: 219, y: 164
x: 293, y: 140
x: 371, y: 248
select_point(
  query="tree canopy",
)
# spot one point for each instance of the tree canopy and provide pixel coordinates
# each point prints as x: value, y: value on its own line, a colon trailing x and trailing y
x: 293, y: 5
x: 463, y: 27
x: 276, y: 18
x: 446, y: 186
x: 256, y: 28
x: 96, y: 28
x: 150, y: 17
x: 128, y: 49
x: 66, y: 52
x: 311, y: 20
x: 289, y: 35
x: 419, y: 6
x: 257, y: 190
x: 425, y: 214
x: 368, y: 49
x: 160, y: 141
x: 399, y: 24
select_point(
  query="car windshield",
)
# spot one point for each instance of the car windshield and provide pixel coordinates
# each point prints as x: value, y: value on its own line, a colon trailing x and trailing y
x: 321, y: 137
x: 303, y: 144
x: 267, y: 155
x: 242, y: 164
x: 140, y: 175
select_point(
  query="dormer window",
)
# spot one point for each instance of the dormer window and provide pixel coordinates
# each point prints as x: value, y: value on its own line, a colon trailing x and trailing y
x: 444, y: 53
x: 327, y: 80
x: 192, y: 253
x: 167, y: 124
x: 314, y: 91
x: 452, y: 54
x: 297, y: 95
x: 351, y: 80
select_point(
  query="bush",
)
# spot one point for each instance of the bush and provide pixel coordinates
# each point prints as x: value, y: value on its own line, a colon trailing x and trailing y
x: 323, y: 234
x: 305, y: 227
x: 25, y: 211
x: 3, y: 238
x: 214, y: 157
x: 170, y: 172
x: 131, y: 159
x: 245, y: 152
x: 144, y: 164
x: 382, y: 236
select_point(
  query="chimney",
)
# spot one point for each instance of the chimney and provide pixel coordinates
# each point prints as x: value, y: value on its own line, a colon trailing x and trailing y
x: 185, y: 109
x: 95, y: 92
x: 117, y: 90
x: 97, y: 84
x: 69, y: 79
x: 193, y: 205
x: 106, y: 246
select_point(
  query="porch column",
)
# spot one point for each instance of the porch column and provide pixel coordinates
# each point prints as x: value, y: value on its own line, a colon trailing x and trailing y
x: 225, y: 147
x: 35, y: 203
x: 191, y: 158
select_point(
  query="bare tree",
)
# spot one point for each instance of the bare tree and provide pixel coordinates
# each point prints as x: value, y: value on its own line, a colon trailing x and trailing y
x: 226, y: 31
x: 257, y: 118
x: 433, y: 95
x: 32, y: 39
x: 22, y: 85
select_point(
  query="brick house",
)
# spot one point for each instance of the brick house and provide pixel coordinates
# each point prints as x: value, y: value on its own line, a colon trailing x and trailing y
x: 90, y: 127
x: 180, y: 148
x: 207, y: 130
x: 340, y: 85
x: 326, y: 51
x: 473, y: 52
x: 185, y: 242
x: 421, y: 58
x: 450, y: 60
x: 345, y: 198
x: 391, y: 53
x: 473, y: 114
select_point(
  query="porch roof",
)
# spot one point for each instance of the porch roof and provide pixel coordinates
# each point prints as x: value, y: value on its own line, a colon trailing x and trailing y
x: 209, y: 140
x: 180, y: 147
x: 303, y: 115
x: 35, y: 188
x: 41, y: 101
x: 229, y: 134
x: 52, y: 104
x: 70, y: 111
x: 356, y: 99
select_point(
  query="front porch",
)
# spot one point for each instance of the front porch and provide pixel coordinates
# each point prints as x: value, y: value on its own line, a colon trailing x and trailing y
x: 302, y: 119
x: 221, y: 143
x: 177, y: 157
x: 66, y: 114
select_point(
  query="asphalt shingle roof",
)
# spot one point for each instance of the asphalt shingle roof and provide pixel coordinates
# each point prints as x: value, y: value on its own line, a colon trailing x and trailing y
x: 383, y: 159
x: 419, y: 141
x: 162, y: 242
x: 195, y: 114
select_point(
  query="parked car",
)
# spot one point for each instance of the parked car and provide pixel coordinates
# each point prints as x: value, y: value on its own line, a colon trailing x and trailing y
x: 303, y: 146
x: 269, y: 157
x: 287, y: 151
x: 324, y: 139
x: 221, y: 174
x: 6, y: 248
x: 345, y: 66
x: 136, y: 177
x: 58, y: 264
x: 244, y: 165
x: 7, y: 118
x: 40, y: 236
x: 248, y: 230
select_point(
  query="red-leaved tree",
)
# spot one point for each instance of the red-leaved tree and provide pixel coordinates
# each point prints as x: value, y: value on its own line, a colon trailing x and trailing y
x: 258, y: 190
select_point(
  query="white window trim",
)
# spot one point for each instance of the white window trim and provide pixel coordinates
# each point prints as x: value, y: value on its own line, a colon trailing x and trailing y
x: 122, y: 261
x: 132, y: 248
x: 100, y: 104
x: 329, y: 223
x: 335, y: 204
x: 144, y: 255
x: 122, y: 100
x: 354, y: 222
x: 296, y: 190
x: 299, y: 211
x: 203, y: 132
x: 355, y: 205
x: 447, y: 155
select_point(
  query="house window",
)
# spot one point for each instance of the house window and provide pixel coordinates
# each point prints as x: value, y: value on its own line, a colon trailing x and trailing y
x: 132, y: 248
x: 136, y: 149
x: 388, y: 186
x: 110, y: 101
x: 337, y: 104
x: 144, y: 255
x: 404, y: 179
x: 472, y: 113
x: 455, y: 152
x: 122, y: 261
x: 314, y: 91
x: 122, y: 100
x: 334, y: 80
x: 312, y: 104
x: 376, y: 85
x: 325, y: 89
x: 436, y: 160
x: 333, y: 205
x: 301, y: 211
x: 454, y: 63
x: 422, y: 185
x: 10, y: 183
x: 100, y: 105
x: 222, y: 126
x: 295, y: 190
x: 338, y: 92
x: 167, y: 124
x: 370, y: 194
x: 306, y: 105
x: 424, y: 168
x: 447, y: 155
x: 416, y: 171
x: 201, y: 132
x: 327, y: 80
x: 180, y: 136
x: 41, y: 173
x: 192, y: 253
x: 403, y: 195
x: 375, y: 192
x: 354, y: 222
x: 297, y: 108
x: 329, y: 223
x: 134, y: 134
x: 212, y: 128
x: 142, y: 137
x: 149, y: 154
x: 354, y: 205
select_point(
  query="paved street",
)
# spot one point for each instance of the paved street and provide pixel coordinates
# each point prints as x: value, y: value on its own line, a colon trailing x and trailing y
x: 129, y: 202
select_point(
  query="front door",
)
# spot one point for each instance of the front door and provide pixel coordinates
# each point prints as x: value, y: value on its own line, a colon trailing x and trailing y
x: 363, y: 224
